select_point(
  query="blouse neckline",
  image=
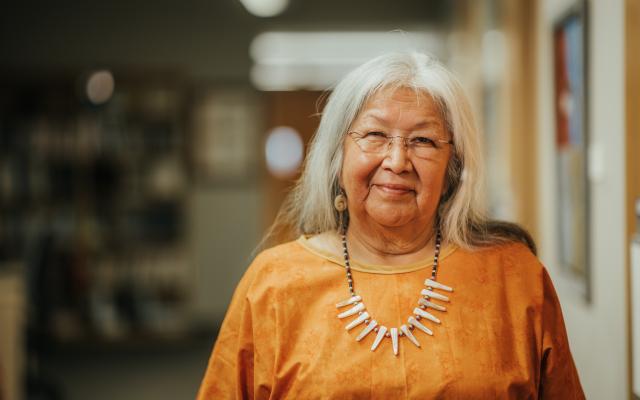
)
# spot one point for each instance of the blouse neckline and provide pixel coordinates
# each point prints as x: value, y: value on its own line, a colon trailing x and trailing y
x: 356, y: 265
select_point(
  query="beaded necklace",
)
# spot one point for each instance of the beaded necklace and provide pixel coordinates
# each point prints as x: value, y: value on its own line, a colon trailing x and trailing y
x: 371, y: 325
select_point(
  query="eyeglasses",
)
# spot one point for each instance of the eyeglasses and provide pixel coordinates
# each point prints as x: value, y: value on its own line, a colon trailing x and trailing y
x: 379, y: 143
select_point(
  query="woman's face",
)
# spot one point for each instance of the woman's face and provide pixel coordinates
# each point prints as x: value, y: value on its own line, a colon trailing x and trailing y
x: 395, y: 188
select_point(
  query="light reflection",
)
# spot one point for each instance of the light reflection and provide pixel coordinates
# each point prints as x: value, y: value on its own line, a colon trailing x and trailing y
x: 100, y: 86
x: 316, y: 60
x: 265, y: 8
x: 283, y: 151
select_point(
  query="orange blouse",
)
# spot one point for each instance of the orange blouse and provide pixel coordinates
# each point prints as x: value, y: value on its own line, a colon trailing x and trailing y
x: 501, y: 337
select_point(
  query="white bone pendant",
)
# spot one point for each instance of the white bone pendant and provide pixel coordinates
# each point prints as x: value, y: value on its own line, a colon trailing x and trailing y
x: 409, y: 335
x: 418, y: 325
x: 366, y: 330
x: 381, y: 331
x: 348, y: 301
x: 437, y: 285
x: 429, y: 304
x: 361, y: 318
x: 434, y: 295
x: 394, y: 340
x: 424, y: 314
x: 352, y: 311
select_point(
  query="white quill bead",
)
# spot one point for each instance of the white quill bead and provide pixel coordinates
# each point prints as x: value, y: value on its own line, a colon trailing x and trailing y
x: 352, y: 311
x: 348, y: 301
x: 438, y: 285
x: 361, y: 318
x: 381, y: 331
x: 409, y: 335
x: 424, y: 314
x: 366, y: 330
x: 418, y: 325
x: 394, y: 340
x: 434, y: 295
x: 429, y: 304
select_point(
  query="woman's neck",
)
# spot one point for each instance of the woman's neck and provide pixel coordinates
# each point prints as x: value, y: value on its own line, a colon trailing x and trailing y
x: 390, y: 246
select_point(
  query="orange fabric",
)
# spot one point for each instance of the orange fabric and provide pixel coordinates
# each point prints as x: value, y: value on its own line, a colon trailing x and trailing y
x: 502, y: 336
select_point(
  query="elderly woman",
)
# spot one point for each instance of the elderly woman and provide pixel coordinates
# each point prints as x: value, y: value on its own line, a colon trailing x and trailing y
x: 398, y: 286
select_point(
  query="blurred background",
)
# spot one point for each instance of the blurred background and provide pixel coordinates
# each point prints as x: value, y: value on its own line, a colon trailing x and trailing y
x: 145, y: 148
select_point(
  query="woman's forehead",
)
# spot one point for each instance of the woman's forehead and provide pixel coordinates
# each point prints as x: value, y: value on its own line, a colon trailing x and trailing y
x: 387, y: 105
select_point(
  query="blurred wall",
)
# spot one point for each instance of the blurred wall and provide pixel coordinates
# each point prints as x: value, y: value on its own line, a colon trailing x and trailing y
x: 225, y: 225
x: 208, y: 39
x: 196, y: 52
x: 598, y: 330
x: 201, y: 44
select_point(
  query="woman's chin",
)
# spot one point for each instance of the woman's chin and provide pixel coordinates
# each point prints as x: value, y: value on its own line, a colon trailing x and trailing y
x: 390, y: 218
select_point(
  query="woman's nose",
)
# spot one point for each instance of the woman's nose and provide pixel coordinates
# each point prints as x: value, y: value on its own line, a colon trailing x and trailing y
x: 397, y: 158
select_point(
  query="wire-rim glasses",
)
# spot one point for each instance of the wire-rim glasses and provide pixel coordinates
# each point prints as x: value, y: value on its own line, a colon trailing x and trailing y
x: 422, y: 146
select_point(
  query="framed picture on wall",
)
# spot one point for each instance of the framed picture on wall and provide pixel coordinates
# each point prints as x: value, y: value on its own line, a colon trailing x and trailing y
x: 571, y: 139
x: 226, y: 143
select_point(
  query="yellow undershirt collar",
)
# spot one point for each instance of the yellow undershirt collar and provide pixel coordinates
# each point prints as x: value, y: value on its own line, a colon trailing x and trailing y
x: 375, y: 268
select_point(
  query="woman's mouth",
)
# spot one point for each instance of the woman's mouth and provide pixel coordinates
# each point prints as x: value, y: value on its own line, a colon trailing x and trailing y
x: 394, y: 189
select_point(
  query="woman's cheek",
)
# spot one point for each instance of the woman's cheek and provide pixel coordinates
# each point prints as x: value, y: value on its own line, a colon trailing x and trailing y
x: 357, y: 174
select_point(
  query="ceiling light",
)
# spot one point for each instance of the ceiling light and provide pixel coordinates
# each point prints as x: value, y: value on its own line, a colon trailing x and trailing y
x: 265, y: 8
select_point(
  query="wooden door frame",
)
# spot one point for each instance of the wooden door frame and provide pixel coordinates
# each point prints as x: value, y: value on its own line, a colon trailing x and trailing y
x: 632, y: 144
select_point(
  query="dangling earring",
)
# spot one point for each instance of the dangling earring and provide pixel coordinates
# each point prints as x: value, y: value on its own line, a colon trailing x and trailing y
x: 340, y: 204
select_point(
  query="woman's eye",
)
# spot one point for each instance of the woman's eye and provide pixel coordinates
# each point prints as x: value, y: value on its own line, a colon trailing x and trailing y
x: 423, y: 141
x: 375, y: 134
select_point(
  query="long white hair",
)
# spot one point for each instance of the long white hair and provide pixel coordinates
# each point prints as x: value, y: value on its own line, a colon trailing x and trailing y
x: 309, y: 207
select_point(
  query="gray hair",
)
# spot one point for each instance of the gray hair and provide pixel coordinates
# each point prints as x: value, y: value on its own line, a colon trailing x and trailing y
x: 309, y: 207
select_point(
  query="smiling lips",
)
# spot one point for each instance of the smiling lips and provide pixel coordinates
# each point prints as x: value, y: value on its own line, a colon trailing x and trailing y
x: 394, y: 189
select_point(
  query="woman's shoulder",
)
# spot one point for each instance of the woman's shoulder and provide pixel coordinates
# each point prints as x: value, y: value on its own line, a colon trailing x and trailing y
x: 510, y: 257
x: 308, y: 249
x: 508, y: 270
x: 281, y: 255
x: 514, y: 250
x: 282, y: 263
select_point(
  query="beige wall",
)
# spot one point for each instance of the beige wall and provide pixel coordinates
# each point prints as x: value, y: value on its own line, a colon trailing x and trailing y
x: 598, y: 330
x: 225, y: 225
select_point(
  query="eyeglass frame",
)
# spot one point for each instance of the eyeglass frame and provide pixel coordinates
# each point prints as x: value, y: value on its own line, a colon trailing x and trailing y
x: 390, y: 140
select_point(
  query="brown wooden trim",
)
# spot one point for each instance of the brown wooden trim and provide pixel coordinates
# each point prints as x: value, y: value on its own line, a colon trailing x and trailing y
x: 299, y: 110
x: 521, y: 94
x: 632, y: 145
